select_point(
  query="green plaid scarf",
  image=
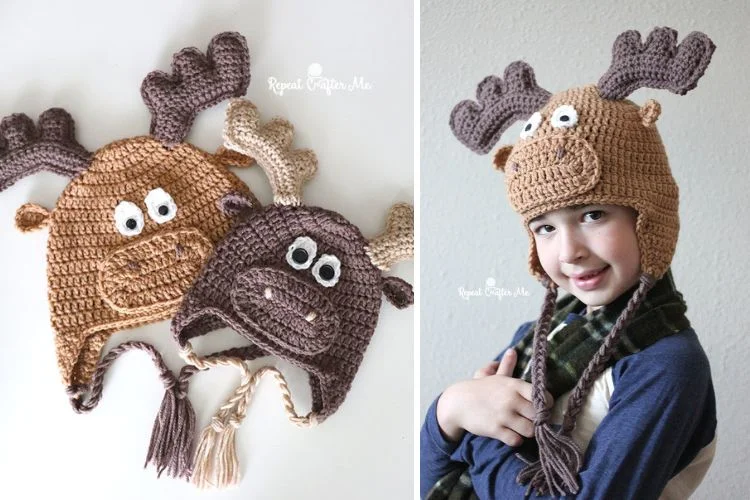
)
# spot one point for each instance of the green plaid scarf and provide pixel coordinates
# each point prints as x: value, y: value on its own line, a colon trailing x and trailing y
x: 571, y: 345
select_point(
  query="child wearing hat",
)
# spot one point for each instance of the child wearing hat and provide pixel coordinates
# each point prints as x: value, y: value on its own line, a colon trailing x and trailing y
x: 608, y: 394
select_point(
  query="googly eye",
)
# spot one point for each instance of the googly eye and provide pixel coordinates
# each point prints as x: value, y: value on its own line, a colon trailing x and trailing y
x: 302, y: 252
x: 564, y: 116
x: 531, y: 125
x: 161, y: 207
x: 327, y: 270
x: 128, y: 218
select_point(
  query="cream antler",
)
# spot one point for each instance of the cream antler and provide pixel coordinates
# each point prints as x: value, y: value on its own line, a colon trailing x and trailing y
x: 396, y: 243
x: 270, y: 145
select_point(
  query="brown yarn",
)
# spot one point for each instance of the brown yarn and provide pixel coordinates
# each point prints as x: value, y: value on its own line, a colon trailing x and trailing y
x: 299, y: 282
x: 170, y: 447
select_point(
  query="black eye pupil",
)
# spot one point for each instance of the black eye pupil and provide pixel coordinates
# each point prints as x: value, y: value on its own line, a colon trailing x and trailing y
x: 564, y: 118
x: 163, y: 210
x: 299, y: 255
x: 528, y: 127
x: 131, y: 224
x: 327, y: 272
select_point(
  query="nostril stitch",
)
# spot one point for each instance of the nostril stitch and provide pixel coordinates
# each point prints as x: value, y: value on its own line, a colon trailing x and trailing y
x: 178, y: 250
x: 134, y: 266
x: 514, y: 167
x: 311, y: 316
x: 268, y: 294
x: 560, y: 152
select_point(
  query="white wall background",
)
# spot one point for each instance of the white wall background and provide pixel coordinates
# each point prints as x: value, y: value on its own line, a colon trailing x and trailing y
x: 90, y: 58
x: 470, y: 234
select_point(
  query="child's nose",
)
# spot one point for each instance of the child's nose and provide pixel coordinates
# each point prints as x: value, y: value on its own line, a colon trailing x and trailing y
x: 571, y: 249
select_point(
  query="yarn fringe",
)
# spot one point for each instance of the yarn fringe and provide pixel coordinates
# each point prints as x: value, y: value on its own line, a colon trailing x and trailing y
x: 171, y: 443
x: 555, y: 472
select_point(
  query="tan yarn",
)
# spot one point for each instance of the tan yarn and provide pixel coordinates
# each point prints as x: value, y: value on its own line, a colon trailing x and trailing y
x: 396, y: 243
x: 609, y: 157
x: 215, y: 463
x: 100, y: 281
x: 270, y: 145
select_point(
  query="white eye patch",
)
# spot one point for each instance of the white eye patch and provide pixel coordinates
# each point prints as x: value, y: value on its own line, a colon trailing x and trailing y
x: 531, y: 125
x: 564, y: 116
x: 327, y: 270
x: 161, y: 207
x: 301, y: 253
x: 128, y: 218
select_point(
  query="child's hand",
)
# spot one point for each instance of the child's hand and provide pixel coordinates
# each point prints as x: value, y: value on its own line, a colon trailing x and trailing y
x: 493, y: 404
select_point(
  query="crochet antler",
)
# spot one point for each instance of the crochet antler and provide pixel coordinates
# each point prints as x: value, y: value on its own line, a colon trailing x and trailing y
x: 500, y: 102
x: 26, y: 149
x: 396, y: 243
x: 270, y: 145
x: 197, y: 82
x: 659, y: 63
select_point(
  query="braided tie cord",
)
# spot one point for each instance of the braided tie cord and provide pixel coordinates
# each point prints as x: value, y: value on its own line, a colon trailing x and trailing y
x: 215, y: 462
x: 77, y: 393
x: 560, y: 458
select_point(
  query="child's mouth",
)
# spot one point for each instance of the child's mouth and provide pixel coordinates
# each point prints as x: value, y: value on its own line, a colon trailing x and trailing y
x: 590, y: 281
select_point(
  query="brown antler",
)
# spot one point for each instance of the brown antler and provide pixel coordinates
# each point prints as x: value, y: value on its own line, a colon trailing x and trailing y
x: 396, y: 243
x: 270, y: 145
x: 26, y: 149
x: 198, y: 82
x: 479, y: 125
x: 659, y: 63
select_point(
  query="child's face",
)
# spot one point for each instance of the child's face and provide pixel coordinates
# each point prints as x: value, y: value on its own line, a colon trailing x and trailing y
x: 582, y: 240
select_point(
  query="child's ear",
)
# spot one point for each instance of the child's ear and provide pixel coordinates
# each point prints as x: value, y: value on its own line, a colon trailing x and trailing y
x: 398, y: 292
x: 501, y: 157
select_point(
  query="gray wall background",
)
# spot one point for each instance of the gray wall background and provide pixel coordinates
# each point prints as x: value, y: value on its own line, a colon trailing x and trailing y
x: 469, y: 233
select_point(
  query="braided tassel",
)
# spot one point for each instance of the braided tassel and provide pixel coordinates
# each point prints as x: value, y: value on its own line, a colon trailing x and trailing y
x: 215, y: 463
x: 560, y: 458
x: 171, y: 436
x: 171, y: 443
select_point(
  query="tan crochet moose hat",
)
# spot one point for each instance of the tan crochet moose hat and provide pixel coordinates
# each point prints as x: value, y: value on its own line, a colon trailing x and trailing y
x: 139, y: 217
x: 590, y: 144
x: 587, y: 145
x: 299, y: 282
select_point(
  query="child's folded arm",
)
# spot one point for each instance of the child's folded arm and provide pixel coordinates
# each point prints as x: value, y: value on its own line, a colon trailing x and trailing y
x: 439, y: 455
x: 661, y: 413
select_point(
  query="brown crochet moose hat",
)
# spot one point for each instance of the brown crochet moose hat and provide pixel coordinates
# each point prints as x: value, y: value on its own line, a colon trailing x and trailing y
x: 299, y: 282
x: 139, y: 217
x: 587, y: 145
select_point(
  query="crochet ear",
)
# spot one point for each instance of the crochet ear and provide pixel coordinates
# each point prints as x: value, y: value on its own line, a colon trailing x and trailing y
x: 236, y: 204
x: 398, y: 292
x: 501, y: 157
x: 228, y: 158
x: 649, y: 112
x: 30, y: 217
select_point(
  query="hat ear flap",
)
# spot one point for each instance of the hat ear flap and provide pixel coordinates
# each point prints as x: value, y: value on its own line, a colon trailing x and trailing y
x: 501, y: 157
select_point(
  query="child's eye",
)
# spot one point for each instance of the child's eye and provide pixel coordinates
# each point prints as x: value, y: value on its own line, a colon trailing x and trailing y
x: 595, y: 214
x: 544, y: 229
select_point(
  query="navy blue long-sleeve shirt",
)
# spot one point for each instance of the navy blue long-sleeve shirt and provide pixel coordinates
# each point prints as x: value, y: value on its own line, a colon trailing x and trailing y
x: 662, y: 414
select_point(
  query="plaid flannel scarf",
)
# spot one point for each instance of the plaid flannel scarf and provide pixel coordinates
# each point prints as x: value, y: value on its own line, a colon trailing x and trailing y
x: 572, y: 342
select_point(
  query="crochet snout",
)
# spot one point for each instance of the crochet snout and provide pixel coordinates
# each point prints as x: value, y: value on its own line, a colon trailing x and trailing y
x: 285, y: 309
x: 152, y: 273
x: 550, y: 168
